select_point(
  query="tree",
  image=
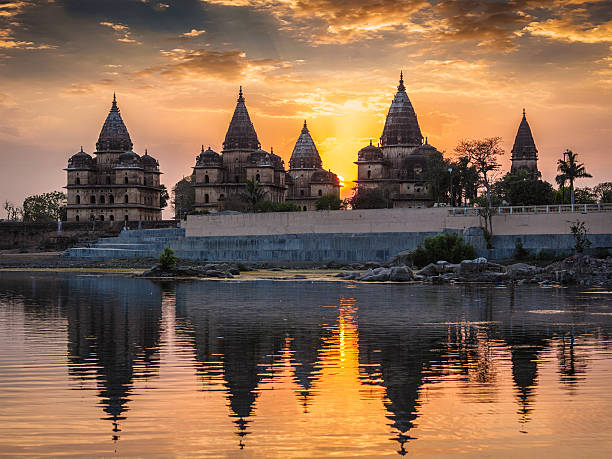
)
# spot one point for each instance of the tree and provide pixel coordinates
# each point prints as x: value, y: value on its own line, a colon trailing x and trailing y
x: 370, y: 199
x: 570, y: 170
x: 465, y: 180
x: 585, y: 195
x: 436, y: 173
x: 523, y: 188
x: 46, y: 207
x: 604, y: 192
x: 253, y: 194
x: 483, y: 155
x: 580, y: 231
x: 445, y: 246
x: 184, y: 196
x: 329, y: 201
x: 164, y: 197
x: 12, y: 213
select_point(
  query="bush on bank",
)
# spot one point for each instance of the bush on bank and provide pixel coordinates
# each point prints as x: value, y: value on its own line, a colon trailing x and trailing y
x: 445, y: 246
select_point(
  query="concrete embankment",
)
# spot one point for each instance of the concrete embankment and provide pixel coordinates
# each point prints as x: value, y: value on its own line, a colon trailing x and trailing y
x: 346, y: 236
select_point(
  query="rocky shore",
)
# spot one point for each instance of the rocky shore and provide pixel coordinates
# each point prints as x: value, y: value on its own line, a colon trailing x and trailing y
x: 576, y: 270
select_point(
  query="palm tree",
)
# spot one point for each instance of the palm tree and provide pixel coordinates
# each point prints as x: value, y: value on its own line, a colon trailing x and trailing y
x: 570, y: 170
x: 253, y: 194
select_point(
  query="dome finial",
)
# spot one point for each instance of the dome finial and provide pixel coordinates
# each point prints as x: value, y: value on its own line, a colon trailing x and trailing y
x: 370, y: 142
x: 114, y: 107
x: 146, y: 152
x: 305, y: 128
x: 401, y: 86
x: 81, y: 148
x: 240, y: 97
x: 202, y: 149
x: 523, y: 112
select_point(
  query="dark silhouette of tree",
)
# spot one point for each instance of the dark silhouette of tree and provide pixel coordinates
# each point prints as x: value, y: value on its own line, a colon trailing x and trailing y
x: 253, y: 194
x: 184, y: 196
x: 523, y: 188
x: 570, y: 170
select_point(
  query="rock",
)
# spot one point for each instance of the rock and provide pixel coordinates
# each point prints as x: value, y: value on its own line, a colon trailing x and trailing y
x: 401, y: 258
x: 229, y: 275
x: 275, y: 269
x: 438, y: 280
x: 429, y: 270
x: 442, y: 262
x: 375, y: 275
x: 214, y: 273
x: 400, y: 274
x: 521, y: 271
x: 234, y: 271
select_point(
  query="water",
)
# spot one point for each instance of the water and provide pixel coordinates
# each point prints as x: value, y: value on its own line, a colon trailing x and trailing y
x: 114, y: 366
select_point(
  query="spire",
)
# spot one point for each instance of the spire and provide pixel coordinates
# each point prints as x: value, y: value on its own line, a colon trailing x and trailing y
x: 146, y: 152
x: 114, y: 135
x: 401, y: 125
x: 305, y: 153
x: 401, y: 86
x: 241, y: 134
x: 202, y: 149
x: 524, y: 146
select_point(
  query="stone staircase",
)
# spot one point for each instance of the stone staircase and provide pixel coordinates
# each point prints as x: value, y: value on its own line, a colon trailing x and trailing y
x: 147, y: 243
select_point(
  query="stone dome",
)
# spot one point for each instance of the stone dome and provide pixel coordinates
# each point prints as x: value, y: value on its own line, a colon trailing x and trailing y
x: 148, y: 161
x: 209, y: 158
x: 370, y: 153
x: 261, y: 158
x: 114, y: 135
x: 323, y: 176
x: 80, y: 160
x: 305, y: 154
x: 129, y: 158
x: 401, y: 125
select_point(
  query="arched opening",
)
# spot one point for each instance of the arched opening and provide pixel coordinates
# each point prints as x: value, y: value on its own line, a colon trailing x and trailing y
x: 125, y: 199
x: 206, y: 179
x: 78, y: 180
x: 101, y: 218
x: 206, y: 198
x: 108, y: 181
x: 304, y: 209
x: 111, y: 199
x: 221, y: 197
x: 78, y: 199
x: 125, y: 180
x: 76, y: 218
x: 92, y: 199
x: 257, y: 178
x: 302, y: 194
x: 102, y: 199
x: 369, y: 174
x: 236, y: 178
x: 112, y: 218
x: 125, y: 218
x: 92, y: 217
x: 320, y: 192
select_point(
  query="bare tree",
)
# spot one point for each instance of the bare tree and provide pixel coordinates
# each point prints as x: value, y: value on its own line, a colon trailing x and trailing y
x: 12, y: 213
x: 483, y: 155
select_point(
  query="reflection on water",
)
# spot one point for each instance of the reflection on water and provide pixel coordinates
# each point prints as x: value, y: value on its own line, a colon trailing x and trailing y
x: 94, y: 365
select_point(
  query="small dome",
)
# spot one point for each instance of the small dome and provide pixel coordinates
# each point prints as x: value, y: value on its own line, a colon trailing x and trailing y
x: 80, y: 159
x: 129, y: 157
x: 323, y: 176
x: 208, y: 158
x: 148, y: 161
x: 370, y: 153
x: 262, y: 158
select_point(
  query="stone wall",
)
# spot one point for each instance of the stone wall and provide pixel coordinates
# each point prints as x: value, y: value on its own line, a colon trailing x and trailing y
x: 20, y: 235
x: 426, y: 220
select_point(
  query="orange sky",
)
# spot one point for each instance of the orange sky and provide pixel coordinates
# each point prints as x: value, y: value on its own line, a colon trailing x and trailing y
x: 470, y: 67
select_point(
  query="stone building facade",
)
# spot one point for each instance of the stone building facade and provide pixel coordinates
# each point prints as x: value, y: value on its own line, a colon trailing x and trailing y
x: 116, y: 184
x: 220, y: 177
x: 397, y: 164
x: 307, y: 180
x: 524, y: 151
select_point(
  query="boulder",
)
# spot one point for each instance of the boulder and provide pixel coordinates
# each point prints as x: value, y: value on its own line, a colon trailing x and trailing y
x: 400, y: 274
x: 401, y: 258
x: 430, y: 270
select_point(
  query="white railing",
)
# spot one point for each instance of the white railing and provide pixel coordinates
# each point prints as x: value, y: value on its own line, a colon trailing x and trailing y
x: 521, y: 210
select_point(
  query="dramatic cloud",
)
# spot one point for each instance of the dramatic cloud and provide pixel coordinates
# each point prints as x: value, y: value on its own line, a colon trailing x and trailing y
x: 194, y: 33
x: 204, y: 63
x: 122, y: 31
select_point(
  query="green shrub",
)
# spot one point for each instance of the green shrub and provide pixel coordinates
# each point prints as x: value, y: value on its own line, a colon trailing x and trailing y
x: 167, y: 260
x: 269, y: 206
x: 329, y: 201
x: 520, y: 252
x: 579, y: 231
x: 445, y: 246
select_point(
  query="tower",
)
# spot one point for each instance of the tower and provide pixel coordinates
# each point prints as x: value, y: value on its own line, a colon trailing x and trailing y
x: 524, y: 151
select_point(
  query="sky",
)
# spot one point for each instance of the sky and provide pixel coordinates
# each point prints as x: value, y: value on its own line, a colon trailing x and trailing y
x: 470, y: 67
